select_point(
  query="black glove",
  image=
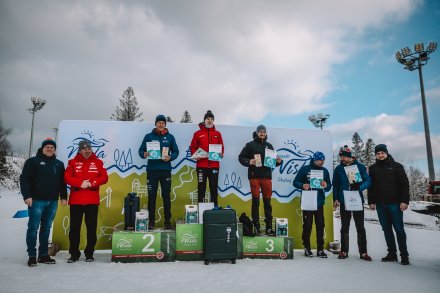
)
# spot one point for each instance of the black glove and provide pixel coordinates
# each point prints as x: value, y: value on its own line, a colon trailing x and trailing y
x: 355, y: 186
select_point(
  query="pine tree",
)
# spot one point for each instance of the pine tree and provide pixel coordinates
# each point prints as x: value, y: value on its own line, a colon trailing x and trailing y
x: 169, y: 119
x: 5, y: 148
x: 358, y: 147
x: 368, y: 156
x: 418, y: 183
x: 186, y: 117
x: 128, y: 109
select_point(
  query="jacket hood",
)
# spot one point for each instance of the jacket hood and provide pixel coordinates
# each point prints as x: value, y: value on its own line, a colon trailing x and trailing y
x: 256, y: 138
x: 79, y: 157
x: 203, y: 127
x: 41, y: 155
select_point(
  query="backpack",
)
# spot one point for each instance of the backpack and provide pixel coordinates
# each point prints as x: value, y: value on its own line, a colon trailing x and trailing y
x: 248, y: 226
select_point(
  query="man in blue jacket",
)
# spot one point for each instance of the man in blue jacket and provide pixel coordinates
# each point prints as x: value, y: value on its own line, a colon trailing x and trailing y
x: 41, y: 184
x: 341, y: 183
x: 159, y: 170
x: 302, y: 181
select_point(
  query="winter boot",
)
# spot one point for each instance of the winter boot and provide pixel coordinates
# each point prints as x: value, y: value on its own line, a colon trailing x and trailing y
x: 46, y: 259
x: 32, y: 262
x: 257, y: 228
x: 404, y: 260
x: 390, y: 257
x: 167, y: 225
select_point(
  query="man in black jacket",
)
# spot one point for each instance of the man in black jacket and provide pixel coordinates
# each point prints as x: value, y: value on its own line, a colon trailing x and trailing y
x: 41, y: 184
x: 389, y: 195
x: 260, y: 176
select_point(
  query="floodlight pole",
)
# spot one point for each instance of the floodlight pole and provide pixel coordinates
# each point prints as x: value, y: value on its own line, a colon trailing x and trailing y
x: 426, y: 125
x: 38, y: 104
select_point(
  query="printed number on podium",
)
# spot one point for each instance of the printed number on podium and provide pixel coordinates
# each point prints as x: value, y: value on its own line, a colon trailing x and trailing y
x: 270, y: 243
x: 150, y: 242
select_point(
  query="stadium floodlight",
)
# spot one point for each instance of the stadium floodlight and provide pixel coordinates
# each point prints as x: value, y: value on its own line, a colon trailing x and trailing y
x: 37, y: 104
x: 413, y: 61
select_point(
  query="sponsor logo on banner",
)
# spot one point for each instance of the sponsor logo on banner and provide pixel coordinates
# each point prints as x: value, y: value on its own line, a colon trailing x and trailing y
x: 189, y: 238
x: 125, y: 244
x: 252, y: 246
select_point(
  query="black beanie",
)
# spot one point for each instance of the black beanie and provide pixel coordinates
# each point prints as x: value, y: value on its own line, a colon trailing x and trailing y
x: 48, y: 141
x: 208, y: 115
x: 160, y: 117
x: 381, y: 148
x: 261, y: 128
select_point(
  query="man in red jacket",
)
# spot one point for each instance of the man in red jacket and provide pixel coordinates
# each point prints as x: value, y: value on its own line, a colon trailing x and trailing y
x: 207, y: 169
x: 84, y: 173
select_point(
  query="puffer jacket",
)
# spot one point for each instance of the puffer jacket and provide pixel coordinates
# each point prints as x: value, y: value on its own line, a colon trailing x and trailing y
x: 389, y: 183
x: 303, y: 177
x: 80, y: 169
x: 340, y: 181
x: 42, y: 178
x: 202, y: 139
x: 257, y: 146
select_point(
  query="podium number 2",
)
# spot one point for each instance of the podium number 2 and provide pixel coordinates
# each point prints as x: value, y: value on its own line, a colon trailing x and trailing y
x: 150, y: 242
x: 270, y: 243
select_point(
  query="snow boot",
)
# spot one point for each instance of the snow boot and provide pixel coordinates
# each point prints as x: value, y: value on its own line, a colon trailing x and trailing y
x: 390, y: 257
x: 32, y: 262
x: 404, y: 260
x: 46, y: 259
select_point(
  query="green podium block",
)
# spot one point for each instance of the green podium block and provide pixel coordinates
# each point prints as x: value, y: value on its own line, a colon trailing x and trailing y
x: 268, y: 247
x: 189, y: 241
x: 156, y: 246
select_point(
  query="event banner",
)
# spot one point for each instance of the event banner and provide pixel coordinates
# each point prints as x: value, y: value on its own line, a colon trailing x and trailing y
x: 117, y: 144
x: 143, y: 246
x: 189, y: 241
x: 268, y: 247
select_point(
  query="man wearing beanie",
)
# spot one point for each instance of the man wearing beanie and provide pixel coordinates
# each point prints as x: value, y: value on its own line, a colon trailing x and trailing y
x: 159, y: 169
x: 389, y: 195
x: 302, y: 182
x: 85, y: 173
x: 41, y: 185
x: 206, y: 169
x: 260, y: 177
x: 341, y: 183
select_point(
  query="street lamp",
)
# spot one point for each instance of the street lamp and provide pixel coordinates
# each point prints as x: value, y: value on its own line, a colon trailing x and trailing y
x: 38, y: 104
x: 412, y: 61
x: 319, y: 119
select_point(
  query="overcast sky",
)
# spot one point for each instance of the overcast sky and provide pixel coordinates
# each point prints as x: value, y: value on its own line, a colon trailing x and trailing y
x: 250, y: 62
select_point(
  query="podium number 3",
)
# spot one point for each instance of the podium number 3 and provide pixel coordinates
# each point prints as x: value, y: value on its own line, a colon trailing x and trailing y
x: 150, y: 242
x: 270, y: 243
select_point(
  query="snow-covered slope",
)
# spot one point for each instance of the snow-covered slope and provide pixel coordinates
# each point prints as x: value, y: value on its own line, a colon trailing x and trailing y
x: 299, y: 275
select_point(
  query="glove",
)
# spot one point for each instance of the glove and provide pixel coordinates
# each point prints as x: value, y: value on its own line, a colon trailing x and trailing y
x: 355, y: 186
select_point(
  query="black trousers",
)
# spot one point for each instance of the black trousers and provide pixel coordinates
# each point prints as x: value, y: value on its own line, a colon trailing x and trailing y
x: 358, y: 217
x: 307, y: 227
x: 153, y: 180
x: 203, y: 175
x: 90, y: 213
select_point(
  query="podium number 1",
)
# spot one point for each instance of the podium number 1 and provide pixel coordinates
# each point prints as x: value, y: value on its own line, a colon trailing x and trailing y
x: 150, y: 242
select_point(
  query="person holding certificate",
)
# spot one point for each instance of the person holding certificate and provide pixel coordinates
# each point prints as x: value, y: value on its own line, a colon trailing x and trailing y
x: 160, y: 148
x: 207, y: 149
x: 260, y: 158
x: 313, y: 180
x: 350, y: 178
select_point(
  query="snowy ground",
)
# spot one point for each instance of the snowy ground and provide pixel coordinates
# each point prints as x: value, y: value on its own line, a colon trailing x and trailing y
x: 299, y: 275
